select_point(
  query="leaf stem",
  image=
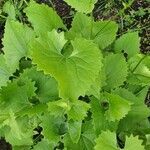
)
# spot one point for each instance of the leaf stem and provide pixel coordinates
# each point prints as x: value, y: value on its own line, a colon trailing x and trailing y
x: 52, y: 5
x: 138, y: 63
x: 102, y: 29
x: 25, y: 2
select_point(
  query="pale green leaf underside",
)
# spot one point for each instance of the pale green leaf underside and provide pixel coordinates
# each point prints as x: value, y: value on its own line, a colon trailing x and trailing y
x: 16, y: 42
x: 75, y: 73
x: 43, y: 18
x: 84, y: 6
x: 116, y: 70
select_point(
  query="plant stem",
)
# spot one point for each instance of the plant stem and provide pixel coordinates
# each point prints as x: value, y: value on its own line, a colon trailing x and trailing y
x: 52, y: 4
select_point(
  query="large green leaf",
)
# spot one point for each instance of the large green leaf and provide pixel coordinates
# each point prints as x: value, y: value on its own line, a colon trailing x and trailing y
x: 116, y: 70
x: 84, y: 6
x: 128, y: 43
x: 16, y: 43
x: 43, y: 20
x: 75, y: 73
x: 102, y: 33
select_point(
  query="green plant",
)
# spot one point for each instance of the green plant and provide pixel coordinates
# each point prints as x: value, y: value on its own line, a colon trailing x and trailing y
x: 82, y: 87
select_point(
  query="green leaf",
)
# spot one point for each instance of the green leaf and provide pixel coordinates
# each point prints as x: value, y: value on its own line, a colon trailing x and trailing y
x: 96, y: 87
x: 106, y: 141
x: 19, y: 130
x: 140, y: 70
x: 43, y: 20
x: 43, y: 145
x: 52, y: 128
x: 58, y: 108
x: 74, y: 130
x: 133, y: 143
x: 10, y: 10
x: 75, y: 73
x: 5, y: 72
x: 82, y: 5
x: 147, y: 141
x: 116, y: 70
x: 98, y: 117
x: 129, y: 43
x: 78, y: 110
x: 24, y: 147
x: 15, y: 96
x: 16, y: 43
x: 81, y: 26
x: 47, y: 89
x: 102, y: 33
x: 86, y: 141
x: 118, y: 107
x: 134, y: 120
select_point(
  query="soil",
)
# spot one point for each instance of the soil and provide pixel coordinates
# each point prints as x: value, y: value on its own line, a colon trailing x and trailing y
x: 4, y: 145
